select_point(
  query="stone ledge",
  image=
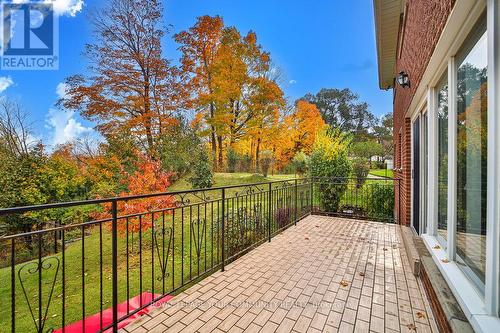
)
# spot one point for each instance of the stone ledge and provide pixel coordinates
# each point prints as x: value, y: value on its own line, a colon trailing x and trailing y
x: 449, y: 316
x: 411, y: 250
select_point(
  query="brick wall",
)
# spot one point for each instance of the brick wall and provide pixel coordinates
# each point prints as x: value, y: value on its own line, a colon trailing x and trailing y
x: 422, y: 27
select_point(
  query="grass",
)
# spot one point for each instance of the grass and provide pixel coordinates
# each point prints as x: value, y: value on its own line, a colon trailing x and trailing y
x: 228, y: 179
x: 189, y: 259
x: 382, y: 173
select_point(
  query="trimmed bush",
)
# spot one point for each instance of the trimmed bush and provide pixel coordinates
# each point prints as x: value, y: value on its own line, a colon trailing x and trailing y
x: 330, y: 164
x: 202, y: 175
x: 382, y: 201
x: 232, y: 160
x: 360, y: 170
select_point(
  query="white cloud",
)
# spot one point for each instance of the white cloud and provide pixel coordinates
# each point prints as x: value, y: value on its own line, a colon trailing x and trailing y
x: 67, y: 7
x: 62, y: 7
x: 65, y: 128
x: 5, y: 82
x: 62, y: 124
x: 292, y: 81
x: 61, y: 90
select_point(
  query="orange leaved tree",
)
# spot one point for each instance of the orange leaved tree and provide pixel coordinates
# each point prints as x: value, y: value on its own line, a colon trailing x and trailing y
x: 149, y: 178
x: 130, y: 87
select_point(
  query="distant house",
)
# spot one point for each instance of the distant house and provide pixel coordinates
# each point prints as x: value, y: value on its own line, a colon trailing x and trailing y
x: 441, y: 58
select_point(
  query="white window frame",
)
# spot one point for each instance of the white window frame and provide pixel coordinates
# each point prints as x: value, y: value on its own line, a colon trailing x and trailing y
x: 492, y: 278
x: 482, y: 310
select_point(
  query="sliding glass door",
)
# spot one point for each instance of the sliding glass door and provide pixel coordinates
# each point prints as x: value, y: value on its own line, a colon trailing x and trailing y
x: 471, y: 163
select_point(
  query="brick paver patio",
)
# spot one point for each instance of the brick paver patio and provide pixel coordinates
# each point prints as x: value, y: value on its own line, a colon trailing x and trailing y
x: 325, y: 274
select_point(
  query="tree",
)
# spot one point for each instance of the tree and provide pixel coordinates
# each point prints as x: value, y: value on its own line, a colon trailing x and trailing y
x: 299, y: 162
x: 365, y: 150
x: 131, y: 88
x: 341, y: 109
x: 199, y: 46
x: 149, y: 178
x: 15, y: 130
x: 202, y: 174
x: 229, y: 81
x: 265, y: 161
x: 383, y: 134
x: 177, y: 147
x: 329, y: 160
x: 298, y: 132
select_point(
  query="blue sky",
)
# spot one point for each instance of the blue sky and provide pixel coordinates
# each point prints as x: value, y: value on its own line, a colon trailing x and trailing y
x: 316, y: 44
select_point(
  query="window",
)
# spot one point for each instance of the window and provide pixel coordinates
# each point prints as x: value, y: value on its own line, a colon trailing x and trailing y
x: 471, y: 163
x: 442, y: 113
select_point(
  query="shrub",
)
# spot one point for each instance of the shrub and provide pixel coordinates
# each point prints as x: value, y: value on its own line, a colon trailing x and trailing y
x: 245, y: 163
x: 283, y: 217
x: 360, y: 169
x: 382, y: 201
x: 329, y: 161
x: 266, y: 160
x: 202, y: 175
x: 232, y: 160
x: 300, y: 163
x: 244, y: 227
x: 176, y: 146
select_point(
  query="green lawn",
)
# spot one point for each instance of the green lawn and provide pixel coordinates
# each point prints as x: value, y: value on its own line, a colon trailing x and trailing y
x: 382, y: 173
x: 228, y: 179
x: 195, y: 251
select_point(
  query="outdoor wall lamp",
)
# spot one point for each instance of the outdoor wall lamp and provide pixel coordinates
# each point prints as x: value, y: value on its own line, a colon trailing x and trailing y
x: 403, y: 79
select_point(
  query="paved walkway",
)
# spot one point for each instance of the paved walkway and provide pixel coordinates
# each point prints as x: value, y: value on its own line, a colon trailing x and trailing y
x: 326, y: 274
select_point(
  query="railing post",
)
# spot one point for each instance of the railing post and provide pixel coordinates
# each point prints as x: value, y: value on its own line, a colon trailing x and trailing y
x: 114, y: 245
x: 13, y: 284
x: 312, y: 194
x: 399, y: 202
x: 296, y: 206
x: 223, y: 229
x: 269, y: 212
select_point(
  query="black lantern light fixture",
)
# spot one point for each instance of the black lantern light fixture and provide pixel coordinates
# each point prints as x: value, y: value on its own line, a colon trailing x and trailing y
x: 403, y: 79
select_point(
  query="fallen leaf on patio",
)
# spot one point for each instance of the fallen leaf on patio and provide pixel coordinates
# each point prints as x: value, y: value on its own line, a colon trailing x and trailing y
x: 361, y: 273
x: 437, y: 247
x: 411, y: 327
x: 344, y: 283
x: 445, y: 261
x: 420, y: 315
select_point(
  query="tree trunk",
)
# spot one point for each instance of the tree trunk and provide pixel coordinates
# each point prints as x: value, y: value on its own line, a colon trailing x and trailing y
x: 213, y: 141
x: 257, y: 155
x: 221, y: 154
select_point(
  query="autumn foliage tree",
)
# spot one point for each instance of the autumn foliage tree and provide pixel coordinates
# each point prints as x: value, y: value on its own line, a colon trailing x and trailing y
x: 149, y: 178
x: 130, y: 87
x: 298, y: 132
x: 229, y: 82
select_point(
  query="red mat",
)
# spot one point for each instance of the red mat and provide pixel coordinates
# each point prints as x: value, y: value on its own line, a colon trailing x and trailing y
x: 93, y: 323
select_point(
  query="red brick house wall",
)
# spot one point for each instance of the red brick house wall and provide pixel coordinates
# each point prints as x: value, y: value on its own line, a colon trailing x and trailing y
x: 421, y: 28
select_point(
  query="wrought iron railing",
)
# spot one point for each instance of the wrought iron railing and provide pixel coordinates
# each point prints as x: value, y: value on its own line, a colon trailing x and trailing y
x: 129, y: 260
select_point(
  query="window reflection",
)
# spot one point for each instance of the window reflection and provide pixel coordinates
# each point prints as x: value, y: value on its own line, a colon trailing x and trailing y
x: 443, y: 159
x: 472, y: 159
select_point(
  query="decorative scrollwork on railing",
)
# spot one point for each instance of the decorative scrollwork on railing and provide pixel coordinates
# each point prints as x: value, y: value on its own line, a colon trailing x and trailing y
x: 202, y: 195
x: 198, y: 233
x: 249, y: 190
x: 183, y: 200
x: 285, y: 184
x: 167, y: 236
x: 38, y: 267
